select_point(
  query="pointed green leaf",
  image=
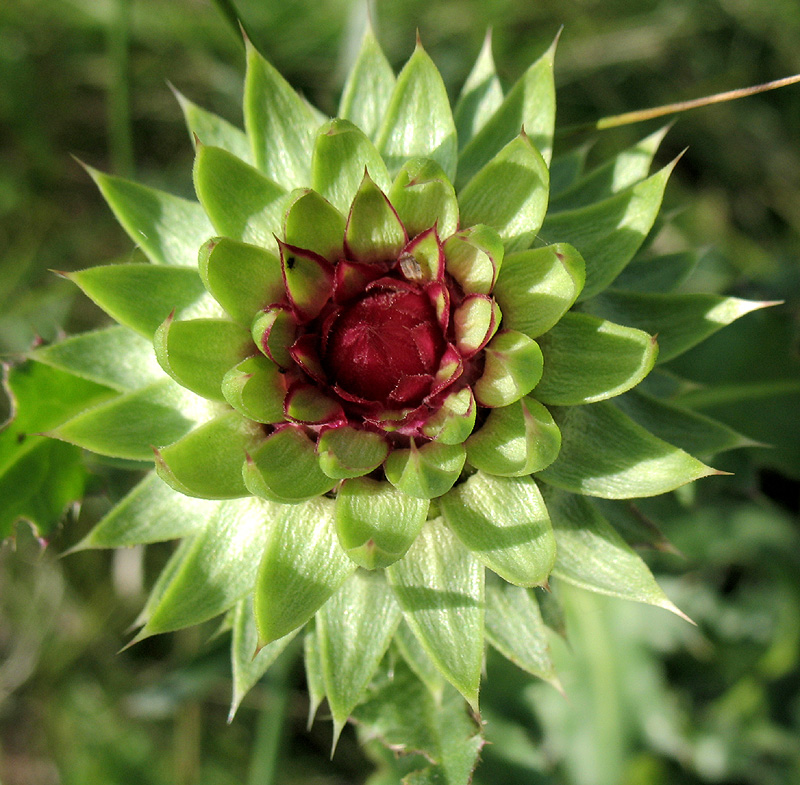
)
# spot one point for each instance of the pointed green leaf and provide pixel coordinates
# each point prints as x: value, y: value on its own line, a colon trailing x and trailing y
x: 473, y: 257
x: 170, y: 569
x: 199, y: 352
x: 256, y: 388
x: 167, y: 228
x: 504, y: 523
x: 593, y: 556
x: 648, y: 273
x: 512, y: 368
x: 350, y: 452
x: 681, y: 320
x: 247, y: 666
x: 369, y: 86
x: 480, y: 96
x: 285, y: 468
x: 509, y: 194
x: 423, y: 196
x: 280, y: 124
x: 404, y: 715
x: 315, y: 679
x: 211, y: 129
x: 608, y: 233
x: 605, y: 453
x: 313, y: 223
x: 625, y: 169
x: 309, y: 280
x: 514, y: 626
x: 691, y: 431
x: 354, y: 628
x: 207, y: 462
x: 531, y: 104
x: 118, y: 288
x: 536, y: 288
x: 342, y: 153
x: 425, y: 472
x: 302, y: 567
x: 588, y: 359
x: 151, y: 512
x: 241, y: 203
x: 412, y: 652
x: 115, y: 357
x: 374, y: 232
x: 218, y: 568
x: 419, y: 121
x: 439, y: 585
x: 242, y: 278
x: 375, y: 522
x: 515, y: 440
x: 130, y: 425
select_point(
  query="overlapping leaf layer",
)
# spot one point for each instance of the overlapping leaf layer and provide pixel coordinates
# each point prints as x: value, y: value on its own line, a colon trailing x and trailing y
x: 395, y: 359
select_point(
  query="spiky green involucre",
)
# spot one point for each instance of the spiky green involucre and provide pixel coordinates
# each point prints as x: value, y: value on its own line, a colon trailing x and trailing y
x: 385, y: 367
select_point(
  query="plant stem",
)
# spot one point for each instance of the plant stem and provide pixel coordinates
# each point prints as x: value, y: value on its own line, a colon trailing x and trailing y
x: 640, y: 115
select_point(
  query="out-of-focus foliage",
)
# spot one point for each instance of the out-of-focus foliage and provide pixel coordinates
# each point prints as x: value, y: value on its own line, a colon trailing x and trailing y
x: 650, y: 698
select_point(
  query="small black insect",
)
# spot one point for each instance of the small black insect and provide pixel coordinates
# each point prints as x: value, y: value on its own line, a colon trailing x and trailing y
x: 290, y: 261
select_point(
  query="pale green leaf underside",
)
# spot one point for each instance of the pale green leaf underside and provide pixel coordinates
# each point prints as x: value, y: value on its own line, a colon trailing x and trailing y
x: 514, y: 626
x: 608, y: 233
x: 279, y: 123
x: 342, y: 153
x: 354, y: 628
x: 529, y: 105
x: 509, y: 194
x: 504, y: 523
x: 439, y: 585
x: 217, y: 570
x: 418, y: 121
x: 405, y: 716
x: 167, y: 228
x: 605, y: 453
x: 593, y: 556
x: 302, y: 566
x: 315, y: 679
x: 369, y: 86
x: 480, y: 96
x: 211, y: 129
x: 151, y: 512
x: 247, y: 666
x: 130, y: 425
x: 115, y: 357
x: 118, y: 288
x: 241, y: 202
x: 412, y: 652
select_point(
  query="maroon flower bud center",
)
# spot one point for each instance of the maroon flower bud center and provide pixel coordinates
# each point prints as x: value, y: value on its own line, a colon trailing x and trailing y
x: 385, y: 347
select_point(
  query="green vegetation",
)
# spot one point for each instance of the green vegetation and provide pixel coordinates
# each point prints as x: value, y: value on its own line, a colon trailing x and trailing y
x: 651, y: 698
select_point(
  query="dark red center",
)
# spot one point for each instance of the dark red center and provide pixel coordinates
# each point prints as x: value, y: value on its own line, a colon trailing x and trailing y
x: 386, y: 347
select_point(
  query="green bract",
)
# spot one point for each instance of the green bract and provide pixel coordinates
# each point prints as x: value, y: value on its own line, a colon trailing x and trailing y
x: 393, y: 371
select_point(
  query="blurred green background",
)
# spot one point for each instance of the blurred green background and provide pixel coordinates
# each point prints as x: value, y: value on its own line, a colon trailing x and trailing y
x: 651, y: 699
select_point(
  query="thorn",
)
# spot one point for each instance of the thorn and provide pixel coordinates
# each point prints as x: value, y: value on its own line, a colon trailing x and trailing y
x: 338, y: 727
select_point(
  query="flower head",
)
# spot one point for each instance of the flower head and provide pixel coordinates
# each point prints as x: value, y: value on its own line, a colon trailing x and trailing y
x: 390, y: 354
